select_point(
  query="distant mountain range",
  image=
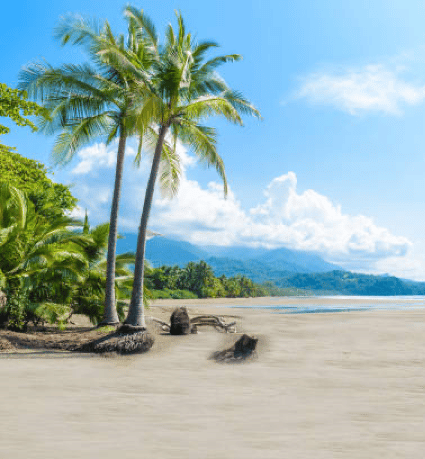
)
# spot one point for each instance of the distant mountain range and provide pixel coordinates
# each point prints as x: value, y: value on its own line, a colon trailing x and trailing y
x: 283, y: 267
x: 259, y: 264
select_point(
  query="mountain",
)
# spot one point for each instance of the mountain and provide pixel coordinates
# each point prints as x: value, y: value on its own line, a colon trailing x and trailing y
x: 283, y: 267
x: 162, y: 251
x: 295, y: 261
x: 259, y: 264
x: 348, y: 283
x: 254, y: 270
x: 235, y: 252
x: 282, y: 259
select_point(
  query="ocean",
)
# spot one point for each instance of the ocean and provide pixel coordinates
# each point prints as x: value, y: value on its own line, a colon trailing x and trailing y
x: 341, y: 303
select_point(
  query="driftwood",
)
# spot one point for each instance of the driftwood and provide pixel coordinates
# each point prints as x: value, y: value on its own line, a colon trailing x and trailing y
x: 243, y: 349
x: 215, y: 321
x: 205, y: 320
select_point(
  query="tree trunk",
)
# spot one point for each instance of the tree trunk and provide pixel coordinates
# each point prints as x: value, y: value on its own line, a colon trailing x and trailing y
x: 136, y: 312
x: 110, y: 316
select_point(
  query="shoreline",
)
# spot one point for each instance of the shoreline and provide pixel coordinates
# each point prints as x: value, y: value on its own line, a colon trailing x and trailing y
x: 284, y: 300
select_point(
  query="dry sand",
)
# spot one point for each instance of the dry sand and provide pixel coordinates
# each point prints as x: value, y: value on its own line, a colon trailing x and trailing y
x: 342, y: 385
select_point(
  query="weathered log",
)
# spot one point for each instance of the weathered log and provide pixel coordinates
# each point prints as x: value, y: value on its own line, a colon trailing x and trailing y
x: 243, y: 349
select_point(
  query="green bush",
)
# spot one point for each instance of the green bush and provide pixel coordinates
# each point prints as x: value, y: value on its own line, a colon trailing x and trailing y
x: 167, y: 294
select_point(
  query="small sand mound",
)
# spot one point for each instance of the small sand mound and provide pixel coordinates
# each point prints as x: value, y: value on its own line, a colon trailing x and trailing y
x: 120, y: 343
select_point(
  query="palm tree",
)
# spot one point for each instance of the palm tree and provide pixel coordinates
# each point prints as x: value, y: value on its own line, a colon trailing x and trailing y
x: 98, y: 100
x: 183, y: 89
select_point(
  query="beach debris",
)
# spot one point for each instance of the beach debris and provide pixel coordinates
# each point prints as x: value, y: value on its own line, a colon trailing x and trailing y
x: 180, y: 322
x: 243, y: 349
x: 121, y: 341
x: 205, y: 320
x: 214, y: 321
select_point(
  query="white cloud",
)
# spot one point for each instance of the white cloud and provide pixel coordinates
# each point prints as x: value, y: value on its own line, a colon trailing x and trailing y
x: 97, y: 156
x: 94, y: 156
x: 306, y: 221
x: 77, y: 212
x: 284, y: 217
x: 371, y: 88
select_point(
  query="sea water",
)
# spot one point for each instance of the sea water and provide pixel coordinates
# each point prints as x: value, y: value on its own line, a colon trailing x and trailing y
x: 340, y: 303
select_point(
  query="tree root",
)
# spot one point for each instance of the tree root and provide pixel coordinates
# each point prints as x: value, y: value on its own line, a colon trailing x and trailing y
x: 120, y: 342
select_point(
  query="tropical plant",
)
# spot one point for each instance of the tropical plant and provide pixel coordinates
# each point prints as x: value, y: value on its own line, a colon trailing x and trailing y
x: 88, y: 295
x: 33, y: 250
x: 103, y: 100
x: 183, y: 88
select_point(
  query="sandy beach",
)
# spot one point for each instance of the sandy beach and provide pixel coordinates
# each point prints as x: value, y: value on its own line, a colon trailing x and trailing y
x: 340, y: 385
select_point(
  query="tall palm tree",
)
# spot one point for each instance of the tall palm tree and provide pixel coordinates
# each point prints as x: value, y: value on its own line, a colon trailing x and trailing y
x: 183, y: 89
x: 98, y: 100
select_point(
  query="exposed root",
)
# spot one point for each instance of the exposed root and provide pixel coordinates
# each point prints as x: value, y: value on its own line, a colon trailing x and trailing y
x: 120, y: 342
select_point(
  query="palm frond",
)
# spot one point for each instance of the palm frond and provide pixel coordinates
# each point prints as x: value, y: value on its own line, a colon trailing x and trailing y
x: 206, y: 106
x: 77, y: 30
x: 74, y: 137
x: 144, y: 24
x: 170, y: 169
x: 203, y: 141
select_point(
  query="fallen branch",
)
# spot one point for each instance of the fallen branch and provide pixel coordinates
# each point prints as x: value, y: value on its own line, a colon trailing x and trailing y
x: 215, y: 321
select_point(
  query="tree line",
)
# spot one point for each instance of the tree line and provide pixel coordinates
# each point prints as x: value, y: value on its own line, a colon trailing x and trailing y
x: 197, y: 280
x: 347, y: 283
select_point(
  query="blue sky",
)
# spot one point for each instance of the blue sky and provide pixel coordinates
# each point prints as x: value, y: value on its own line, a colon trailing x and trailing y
x: 336, y: 165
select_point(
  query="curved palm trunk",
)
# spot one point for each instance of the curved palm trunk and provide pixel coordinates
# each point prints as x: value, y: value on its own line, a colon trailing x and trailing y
x: 136, y: 312
x: 110, y: 316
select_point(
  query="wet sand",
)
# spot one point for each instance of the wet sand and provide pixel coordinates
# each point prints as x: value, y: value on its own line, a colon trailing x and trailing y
x: 341, y: 385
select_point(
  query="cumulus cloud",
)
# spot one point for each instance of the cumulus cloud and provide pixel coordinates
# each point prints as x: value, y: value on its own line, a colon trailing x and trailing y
x: 373, y: 88
x: 284, y: 217
x: 303, y: 221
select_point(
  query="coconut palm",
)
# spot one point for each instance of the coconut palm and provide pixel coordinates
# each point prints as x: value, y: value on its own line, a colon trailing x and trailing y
x: 183, y: 90
x: 100, y: 100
